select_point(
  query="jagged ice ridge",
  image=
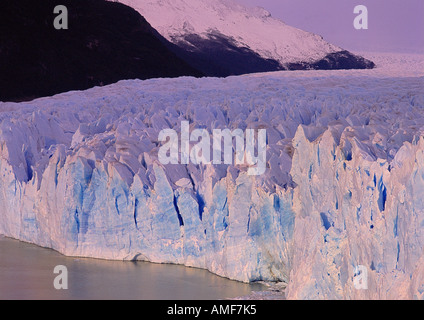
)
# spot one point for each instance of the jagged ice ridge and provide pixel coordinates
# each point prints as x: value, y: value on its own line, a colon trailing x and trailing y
x: 344, y: 184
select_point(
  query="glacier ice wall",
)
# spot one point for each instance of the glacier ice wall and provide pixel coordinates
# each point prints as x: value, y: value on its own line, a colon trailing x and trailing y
x: 344, y: 184
x: 355, y: 210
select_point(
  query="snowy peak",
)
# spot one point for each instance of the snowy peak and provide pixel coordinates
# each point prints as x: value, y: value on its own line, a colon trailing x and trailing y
x: 253, y: 29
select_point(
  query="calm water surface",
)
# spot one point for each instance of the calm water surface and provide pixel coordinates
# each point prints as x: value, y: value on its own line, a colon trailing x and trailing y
x: 26, y: 272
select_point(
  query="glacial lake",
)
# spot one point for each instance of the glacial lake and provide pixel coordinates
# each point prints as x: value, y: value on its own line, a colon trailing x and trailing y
x: 27, y: 272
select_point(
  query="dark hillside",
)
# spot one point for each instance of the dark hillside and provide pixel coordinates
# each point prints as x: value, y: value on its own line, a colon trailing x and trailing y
x: 106, y: 42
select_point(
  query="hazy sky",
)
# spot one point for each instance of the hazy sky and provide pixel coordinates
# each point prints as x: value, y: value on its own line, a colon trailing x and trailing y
x: 394, y: 25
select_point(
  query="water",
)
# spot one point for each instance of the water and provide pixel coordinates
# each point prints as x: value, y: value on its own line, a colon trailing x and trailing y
x: 26, y: 272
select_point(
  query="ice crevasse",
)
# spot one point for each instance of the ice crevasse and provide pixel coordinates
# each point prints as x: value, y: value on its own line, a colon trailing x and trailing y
x: 344, y: 184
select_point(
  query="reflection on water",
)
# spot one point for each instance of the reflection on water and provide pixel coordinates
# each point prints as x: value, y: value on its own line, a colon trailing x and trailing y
x: 26, y: 272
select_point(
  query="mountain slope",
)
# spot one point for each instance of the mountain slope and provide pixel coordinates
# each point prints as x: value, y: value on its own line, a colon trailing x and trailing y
x: 215, y: 31
x: 106, y: 42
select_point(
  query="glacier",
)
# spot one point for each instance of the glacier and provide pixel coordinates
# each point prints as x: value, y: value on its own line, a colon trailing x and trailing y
x: 344, y: 186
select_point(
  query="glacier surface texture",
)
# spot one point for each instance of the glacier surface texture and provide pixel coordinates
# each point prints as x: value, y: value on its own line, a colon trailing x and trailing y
x: 344, y: 185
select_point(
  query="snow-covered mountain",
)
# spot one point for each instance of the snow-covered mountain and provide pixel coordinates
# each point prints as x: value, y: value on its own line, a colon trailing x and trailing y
x: 225, y: 30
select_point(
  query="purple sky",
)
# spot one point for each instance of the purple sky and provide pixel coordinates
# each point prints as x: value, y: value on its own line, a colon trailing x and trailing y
x: 394, y: 25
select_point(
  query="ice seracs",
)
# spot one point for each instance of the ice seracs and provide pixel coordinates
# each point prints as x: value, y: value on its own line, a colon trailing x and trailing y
x: 344, y: 187
x: 246, y: 146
